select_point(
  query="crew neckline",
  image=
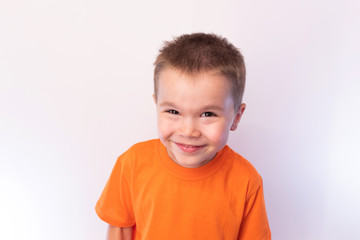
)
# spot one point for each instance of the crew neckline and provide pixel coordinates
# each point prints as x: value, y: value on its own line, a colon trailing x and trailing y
x: 192, y: 173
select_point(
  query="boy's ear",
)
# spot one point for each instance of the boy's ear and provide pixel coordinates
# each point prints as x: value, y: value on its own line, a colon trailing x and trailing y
x: 154, y: 98
x: 238, y: 116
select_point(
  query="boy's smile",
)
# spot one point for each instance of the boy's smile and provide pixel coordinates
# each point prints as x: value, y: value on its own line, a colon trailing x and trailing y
x: 195, y: 114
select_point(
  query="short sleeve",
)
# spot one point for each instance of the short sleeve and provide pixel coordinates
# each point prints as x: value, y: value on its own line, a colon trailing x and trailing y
x: 255, y: 224
x: 115, y: 205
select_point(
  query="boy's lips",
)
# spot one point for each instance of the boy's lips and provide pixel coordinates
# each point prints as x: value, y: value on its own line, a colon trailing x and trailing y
x: 189, y: 148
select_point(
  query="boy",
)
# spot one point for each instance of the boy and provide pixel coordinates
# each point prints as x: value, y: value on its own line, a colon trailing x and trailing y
x: 189, y: 184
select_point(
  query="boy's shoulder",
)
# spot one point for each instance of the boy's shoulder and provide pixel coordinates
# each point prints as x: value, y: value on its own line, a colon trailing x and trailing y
x: 144, y: 147
x: 137, y: 155
x: 239, y: 165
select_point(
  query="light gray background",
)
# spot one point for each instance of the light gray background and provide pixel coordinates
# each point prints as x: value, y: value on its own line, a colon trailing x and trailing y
x: 76, y: 91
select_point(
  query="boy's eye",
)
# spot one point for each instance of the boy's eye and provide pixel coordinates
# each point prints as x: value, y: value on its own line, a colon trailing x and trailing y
x: 172, y: 111
x: 208, y: 114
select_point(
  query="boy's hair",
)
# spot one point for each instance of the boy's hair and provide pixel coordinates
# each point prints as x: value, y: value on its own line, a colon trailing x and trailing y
x: 200, y: 52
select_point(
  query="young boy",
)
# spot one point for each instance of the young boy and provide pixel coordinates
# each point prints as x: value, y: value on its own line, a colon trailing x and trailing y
x: 189, y: 184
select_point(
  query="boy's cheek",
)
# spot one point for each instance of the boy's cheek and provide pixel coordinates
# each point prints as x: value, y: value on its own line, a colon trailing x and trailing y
x: 164, y: 128
x: 217, y: 134
x: 218, y: 137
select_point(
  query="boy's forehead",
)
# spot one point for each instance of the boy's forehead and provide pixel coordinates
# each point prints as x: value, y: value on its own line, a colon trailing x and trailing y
x: 209, y: 86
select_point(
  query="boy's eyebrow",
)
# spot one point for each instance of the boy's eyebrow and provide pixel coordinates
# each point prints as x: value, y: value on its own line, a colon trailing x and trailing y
x: 213, y: 107
x: 206, y: 107
x: 167, y: 104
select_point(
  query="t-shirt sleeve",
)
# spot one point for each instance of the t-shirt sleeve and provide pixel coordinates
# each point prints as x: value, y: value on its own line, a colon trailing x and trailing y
x: 115, y: 205
x: 255, y: 224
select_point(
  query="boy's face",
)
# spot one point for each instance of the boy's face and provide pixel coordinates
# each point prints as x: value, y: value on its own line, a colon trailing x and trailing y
x: 195, y: 114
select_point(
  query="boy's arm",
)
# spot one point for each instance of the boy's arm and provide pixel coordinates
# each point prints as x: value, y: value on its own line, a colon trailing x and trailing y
x: 119, y: 233
x: 255, y: 223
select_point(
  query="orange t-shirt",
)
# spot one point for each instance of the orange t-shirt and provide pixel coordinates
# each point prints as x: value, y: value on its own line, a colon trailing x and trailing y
x: 220, y: 200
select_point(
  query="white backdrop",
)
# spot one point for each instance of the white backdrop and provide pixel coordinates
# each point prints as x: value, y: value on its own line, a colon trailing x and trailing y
x: 76, y: 91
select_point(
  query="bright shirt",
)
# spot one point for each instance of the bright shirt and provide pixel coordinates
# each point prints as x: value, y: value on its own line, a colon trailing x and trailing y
x: 222, y: 199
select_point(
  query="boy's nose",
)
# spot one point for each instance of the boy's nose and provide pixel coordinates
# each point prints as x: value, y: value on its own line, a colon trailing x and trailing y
x: 189, y: 128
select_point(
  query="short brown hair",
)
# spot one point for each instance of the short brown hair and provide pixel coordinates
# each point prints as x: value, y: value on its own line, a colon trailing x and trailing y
x: 198, y: 52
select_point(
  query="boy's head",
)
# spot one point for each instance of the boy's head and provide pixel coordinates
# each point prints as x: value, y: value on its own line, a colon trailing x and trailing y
x: 200, y: 52
x: 198, y: 90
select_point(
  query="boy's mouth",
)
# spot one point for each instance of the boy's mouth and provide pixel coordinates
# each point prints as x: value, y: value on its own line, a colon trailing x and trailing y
x: 189, y: 148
